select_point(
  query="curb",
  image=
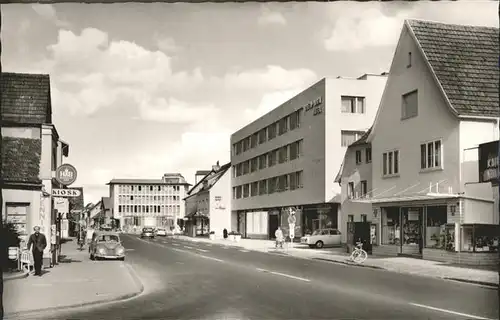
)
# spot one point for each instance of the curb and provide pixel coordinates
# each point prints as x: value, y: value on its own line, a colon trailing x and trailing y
x: 483, y: 283
x: 17, y: 276
x: 34, y: 313
x: 347, y: 263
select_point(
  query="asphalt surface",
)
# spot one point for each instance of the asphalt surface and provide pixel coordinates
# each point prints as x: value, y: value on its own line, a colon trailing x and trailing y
x: 186, y: 280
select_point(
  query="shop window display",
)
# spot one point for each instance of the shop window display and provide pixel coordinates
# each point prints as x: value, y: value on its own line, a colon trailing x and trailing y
x: 435, y: 227
x: 412, y: 227
x: 391, y: 227
x: 480, y: 238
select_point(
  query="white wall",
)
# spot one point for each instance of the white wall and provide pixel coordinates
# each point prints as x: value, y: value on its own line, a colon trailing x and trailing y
x: 434, y: 121
x: 220, y: 211
x: 336, y: 121
x: 478, y: 211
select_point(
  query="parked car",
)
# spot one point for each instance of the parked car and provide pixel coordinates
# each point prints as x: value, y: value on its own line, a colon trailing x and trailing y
x: 147, y: 233
x: 322, y: 237
x: 106, y: 245
x: 161, y: 232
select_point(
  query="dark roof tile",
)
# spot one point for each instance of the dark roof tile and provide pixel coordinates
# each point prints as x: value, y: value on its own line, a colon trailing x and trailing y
x: 465, y: 61
x: 21, y: 160
x: 26, y: 98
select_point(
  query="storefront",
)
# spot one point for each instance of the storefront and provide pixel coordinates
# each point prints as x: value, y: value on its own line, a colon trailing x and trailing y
x: 319, y: 216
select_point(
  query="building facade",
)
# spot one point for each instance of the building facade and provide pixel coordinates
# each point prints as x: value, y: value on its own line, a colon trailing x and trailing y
x: 290, y: 156
x: 32, y: 150
x: 208, y: 204
x: 426, y: 193
x: 152, y: 203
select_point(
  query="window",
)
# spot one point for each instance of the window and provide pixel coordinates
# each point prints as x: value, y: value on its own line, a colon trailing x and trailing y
x: 353, y: 104
x: 238, y: 147
x: 131, y: 197
x: 350, y: 190
x: 358, y: 157
x: 350, y: 218
x: 272, y: 158
x: 273, y: 185
x: 295, y: 119
x: 295, y: 149
x: 246, y: 167
x: 262, y: 161
x: 262, y: 136
x: 298, y: 177
x: 349, y: 137
x: 368, y: 155
x: 234, y: 192
x: 430, y: 155
x: 409, y: 108
x: 271, y: 131
x: 409, y: 60
x: 364, y: 218
x: 262, y: 187
x: 390, y: 162
x: 246, y: 144
x: 253, y: 165
x: 253, y: 140
x: 283, y: 183
x: 239, y: 169
x: 254, y: 190
x: 238, y: 192
x: 283, y: 125
x: 246, y: 190
x: 283, y: 154
x: 364, y: 188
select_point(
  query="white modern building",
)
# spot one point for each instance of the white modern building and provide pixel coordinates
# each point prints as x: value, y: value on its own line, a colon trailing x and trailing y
x: 208, y: 204
x: 148, y: 202
x: 426, y: 195
x: 291, y: 155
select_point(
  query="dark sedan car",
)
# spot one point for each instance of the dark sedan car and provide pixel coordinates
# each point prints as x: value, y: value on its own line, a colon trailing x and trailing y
x: 148, y: 233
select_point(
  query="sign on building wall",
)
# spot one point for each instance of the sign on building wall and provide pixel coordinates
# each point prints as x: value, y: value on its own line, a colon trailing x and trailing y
x: 316, y: 105
x: 488, y: 162
x: 66, y: 174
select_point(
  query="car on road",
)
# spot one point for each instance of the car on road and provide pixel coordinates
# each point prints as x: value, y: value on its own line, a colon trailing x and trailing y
x: 161, y: 232
x: 106, y: 245
x: 322, y: 237
x: 147, y: 233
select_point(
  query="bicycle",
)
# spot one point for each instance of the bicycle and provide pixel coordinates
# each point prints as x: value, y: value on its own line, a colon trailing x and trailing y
x: 359, y: 255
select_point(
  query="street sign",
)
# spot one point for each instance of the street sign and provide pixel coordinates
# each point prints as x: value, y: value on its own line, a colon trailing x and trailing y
x: 66, y: 174
x: 292, y: 230
x: 66, y: 193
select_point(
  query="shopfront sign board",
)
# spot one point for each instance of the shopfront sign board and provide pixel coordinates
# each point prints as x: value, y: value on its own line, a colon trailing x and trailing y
x: 66, y: 193
x: 488, y: 162
x: 66, y: 174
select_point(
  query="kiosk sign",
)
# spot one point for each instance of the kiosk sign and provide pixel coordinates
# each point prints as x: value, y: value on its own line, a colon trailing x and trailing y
x: 66, y: 174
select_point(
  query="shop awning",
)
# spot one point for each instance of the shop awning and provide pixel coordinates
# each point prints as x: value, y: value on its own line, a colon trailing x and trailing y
x: 406, y: 198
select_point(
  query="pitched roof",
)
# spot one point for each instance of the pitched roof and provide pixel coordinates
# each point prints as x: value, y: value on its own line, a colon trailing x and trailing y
x: 362, y: 140
x: 144, y: 181
x: 21, y: 160
x: 202, y: 172
x: 106, y: 202
x: 26, y: 98
x: 211, y: 179
x: 465, y: 62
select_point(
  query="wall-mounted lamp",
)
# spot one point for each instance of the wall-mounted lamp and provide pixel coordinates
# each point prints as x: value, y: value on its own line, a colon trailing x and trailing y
x: 453, y: 209
x: 375, y: 213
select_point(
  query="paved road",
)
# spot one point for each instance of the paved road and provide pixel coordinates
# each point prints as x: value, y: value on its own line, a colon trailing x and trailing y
x: 186, y: 280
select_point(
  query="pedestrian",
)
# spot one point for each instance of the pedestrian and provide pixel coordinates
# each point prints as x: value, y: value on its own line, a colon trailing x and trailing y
x: 39, y: 243
x: 89, y: 234
x: 279, y: 237
x: 224, y: 233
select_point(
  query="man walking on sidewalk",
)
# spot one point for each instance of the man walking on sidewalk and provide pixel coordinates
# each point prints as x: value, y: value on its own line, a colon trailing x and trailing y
x: 39, y: 243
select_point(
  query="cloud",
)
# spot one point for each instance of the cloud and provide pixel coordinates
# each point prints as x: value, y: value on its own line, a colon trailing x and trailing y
x: 168, y: 45
x: 270, y: 101
x: 268, y: 17
x: 175, y: 111
x: 48, y: 12
x: 365, y: 25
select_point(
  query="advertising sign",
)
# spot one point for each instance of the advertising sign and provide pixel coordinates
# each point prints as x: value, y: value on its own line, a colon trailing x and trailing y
x: 488, y: 162
x: 66, y: 193
x: 66, y: 174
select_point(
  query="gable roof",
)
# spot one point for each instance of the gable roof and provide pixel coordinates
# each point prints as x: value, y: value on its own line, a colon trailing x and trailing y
x: 465, y: 61
x: 26, y: 98
x: 21, y: 160
x: 211, y: 179
x: 106, y: 203
x: 361, y: 141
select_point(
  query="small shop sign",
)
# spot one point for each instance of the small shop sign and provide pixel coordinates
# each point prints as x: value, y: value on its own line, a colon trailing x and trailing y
x: 66, y: 174
x: 66, y: 193
x: 488, y: 162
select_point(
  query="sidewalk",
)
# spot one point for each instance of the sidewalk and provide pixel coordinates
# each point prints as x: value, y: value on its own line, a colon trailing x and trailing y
x: 75, y: 281
x: 395, y: 264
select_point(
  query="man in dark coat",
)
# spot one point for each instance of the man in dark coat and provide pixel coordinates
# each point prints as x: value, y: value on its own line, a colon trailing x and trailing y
x: 39, y: 243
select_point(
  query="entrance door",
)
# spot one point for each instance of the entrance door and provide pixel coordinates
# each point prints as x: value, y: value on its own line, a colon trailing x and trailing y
x: 315, y: 224
x: 273, y: 225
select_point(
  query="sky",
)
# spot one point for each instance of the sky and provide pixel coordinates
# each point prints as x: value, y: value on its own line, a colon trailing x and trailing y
x: 139, y: 90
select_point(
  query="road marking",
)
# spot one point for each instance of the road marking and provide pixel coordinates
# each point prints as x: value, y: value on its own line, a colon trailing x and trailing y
x: 178, y: 262
x: 243, y: 250
x: 188, y: 247
x: 175, y: 244
x: 468, y: 316
x: 284, y: 275
x: 211, y: 258
x: 178, y: 250
x: 202, y: 250
x: 225, y: 247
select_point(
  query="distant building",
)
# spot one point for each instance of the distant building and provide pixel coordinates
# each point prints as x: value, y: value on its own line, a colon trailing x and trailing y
x: 290, y: 156
x: 148, y: 202
x: 208, y: 204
